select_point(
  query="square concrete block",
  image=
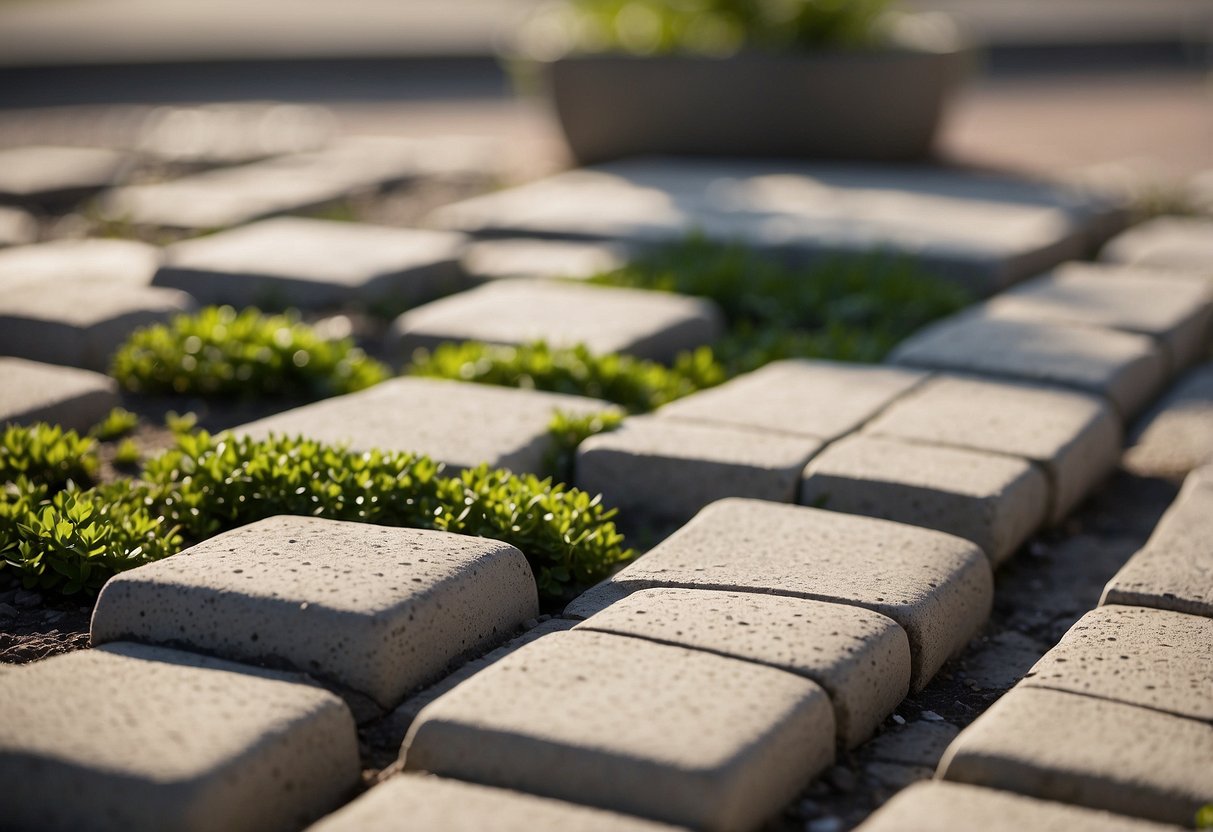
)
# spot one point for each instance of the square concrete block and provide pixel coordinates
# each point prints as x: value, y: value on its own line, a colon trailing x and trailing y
x: 1184, y: 244
x: 52, y: 176
x: 375, y: 609
x: 624, y: 724
x: 821, y: 399
x: 55, y: 264
x: 860, y: 658
x: 32, y: 392
x: 995, y: 501
x: 1074, y: 437
x: 1176, y: 435
x: 1055, y: 745
x: 1126, y: 369
x: 16, y: 227
x: 1153, y: 658
x: 1174, y: 311
x: 460, y: 424
x: 306, y: 263
x: 667, y: 470
x: 1174, y: 571
x: 455, y: 806
x: 654, y: 325
x: 939, y: 588
x: 127, y: 737
x: 523, y: 257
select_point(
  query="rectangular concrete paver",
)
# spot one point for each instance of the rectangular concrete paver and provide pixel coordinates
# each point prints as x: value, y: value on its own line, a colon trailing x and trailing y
x: 939, y: 588
x: 820, y: 399
x: 1184, y: 244
x: 526, y: 257
x: 1176, y: 434
x: 16, y: 227
x: 654, y: 325
x: 860, y: 657
x: 378, y: 610
x: 1174, y: 571
x: 33, y: 392
x: 58, y: 262
x: 995, y: 501
x: 127, y: 737
x: 1057, y: 745
x: 307, y: 263
x: 665, y: 470
x: 624, y: 724
x: 1075, y: 437
x: 54, y: 176
x: 460, y: 424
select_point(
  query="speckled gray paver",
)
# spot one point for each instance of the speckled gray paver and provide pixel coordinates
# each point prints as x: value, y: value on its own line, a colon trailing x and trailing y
x: 84, y: 325
x: 34, y: 392
x: 1075, y: 437
x: 523, y: 257
x: 1184, y: 244
x: 16, y: 227
x: 47, y: 175
x: 995, y: 501
x: 655, y: 325
x: 861, y: 658
x: 662, y: 732
x: 146, y: 738
x: 454, y: 806
x: 950, y: 807
x: 1061, y: 746
x: 307, y: 263
x: 376, y: 609
x: 668, y: 470
x: 1174, y: 571
x: 939, y: 588
x: 1127, y: 369
x: 1175, y: 311
x: 821, y: 399
x: 460, y: 424
x: 57, y: 263
x: 1176, y: 435
x: 1153, y: 658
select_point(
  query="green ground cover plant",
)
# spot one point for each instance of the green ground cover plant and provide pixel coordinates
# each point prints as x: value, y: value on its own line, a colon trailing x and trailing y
x: 118, y: 423
x: 47, y: 455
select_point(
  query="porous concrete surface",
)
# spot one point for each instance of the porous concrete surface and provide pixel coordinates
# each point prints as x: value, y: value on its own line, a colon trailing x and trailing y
x: 1184, y: 244
x: 310, y: 263
x: 34, y: 392
x: 1125, y: 368
x: 946, y: 807
x: 454, y: 806
x: 1075, y: 437
x: 379, y: 610
x: 1173, y: 310
x: 1056, y: 745
x: 624, y: 724
x: 83, y: 325
x: 130, y: 737
x: 607, y: 319
x: 860, y: 658
x: 1174, y: 571
x: 56, y: 263
x: 42, y: 175
x: 663, y: 470
x: 995, y: 501
x: 16, y: 227
x: 1176, y: 434
x: 1153, y: 658
x: 820, y: 399
x: 460, y: 424
x: 525, y: 257
x: 938, y: 587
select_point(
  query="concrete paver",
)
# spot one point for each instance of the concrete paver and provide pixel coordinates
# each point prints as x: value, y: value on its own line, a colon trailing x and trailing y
x: 1176, y: 435
x: 662, y: 732
x: 524, y: 257
x: 1184, y: 244
x: 378, y: 610
x: 33, y: 392
x: 49, y: 176
x: 16, y: 227
x: 59, y: 262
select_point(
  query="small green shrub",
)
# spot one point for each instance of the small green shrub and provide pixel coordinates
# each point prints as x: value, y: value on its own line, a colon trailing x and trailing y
x: 568, y: 430
x: 117, y: 424
x: 221, y: 353
x: 179, y: 423
x: 47, y: 455
x: 127, y: 453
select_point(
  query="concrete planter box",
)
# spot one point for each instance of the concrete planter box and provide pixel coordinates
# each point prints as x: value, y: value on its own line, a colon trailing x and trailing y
x: 877, y: 104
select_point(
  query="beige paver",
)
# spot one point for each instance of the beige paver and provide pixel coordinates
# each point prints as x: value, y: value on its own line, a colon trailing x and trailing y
x: 995, y: 501
x: 1056, y: 745
x: 936, y: 586
x: 1153, y: 658
x: 129, y: 737
x: 462, y: 425
x: 1175, y: 311
x: 1176, y: 435
x: 821, y: 399
x: 34, y: 392
x: 376, y: 609
x: 1184, y: 244
x: 308, y: 263
x: 56, y: 263
x: 946, y: 807
x: 655, y: 325
x: 1174, y: 571
x: 667, y: 470
x: 49, y: 175
x: 861, y: 658
x: 16, y: 227
x: 1074, y: 436
x: 624, y: 724
x: 523, y: 257
x: 437, y: 803
x: 1125, y: 368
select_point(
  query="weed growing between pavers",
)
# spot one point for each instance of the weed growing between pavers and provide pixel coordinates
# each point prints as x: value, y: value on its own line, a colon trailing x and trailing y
x: 568, y: 431
x: 46, y: 455
x: 118, y: 423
